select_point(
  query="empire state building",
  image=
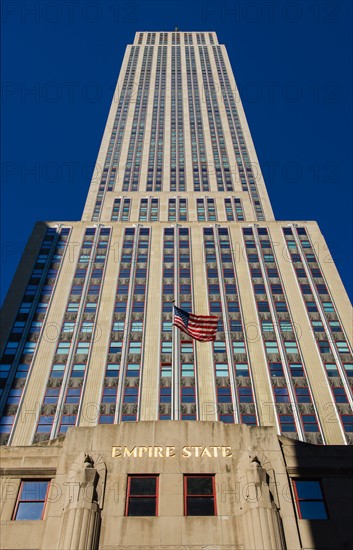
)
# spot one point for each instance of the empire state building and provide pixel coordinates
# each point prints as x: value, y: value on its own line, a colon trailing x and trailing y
x: 99, y: 387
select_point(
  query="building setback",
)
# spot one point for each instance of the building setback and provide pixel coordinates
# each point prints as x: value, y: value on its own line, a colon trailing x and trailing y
x: 119, y: 430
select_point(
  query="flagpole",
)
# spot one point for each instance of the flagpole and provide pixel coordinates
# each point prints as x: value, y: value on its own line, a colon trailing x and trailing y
x: 174, y: 412
x: 176, y: 343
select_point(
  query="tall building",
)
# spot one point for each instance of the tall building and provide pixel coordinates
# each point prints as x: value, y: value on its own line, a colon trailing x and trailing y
x: 177, y: 210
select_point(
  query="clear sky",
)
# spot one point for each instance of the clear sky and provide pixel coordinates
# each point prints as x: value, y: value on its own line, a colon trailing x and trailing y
x: 293, y: 65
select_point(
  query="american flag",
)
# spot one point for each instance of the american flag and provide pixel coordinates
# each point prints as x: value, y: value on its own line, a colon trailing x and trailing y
x: 200, y: 327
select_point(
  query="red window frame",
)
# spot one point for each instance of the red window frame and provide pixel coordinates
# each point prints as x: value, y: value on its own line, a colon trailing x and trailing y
x: 298, y: 395
x: 193, y: 395
x: 128, y: 494
x: 218, y: 394
x: 324, y: 342
x: 299, y: 500
x: 18, y: 500
x: 340, y: 393
x: 287, y: 423
x: 281, y: 397
x: 311, y: 421
x: 246, y: 395
x: 347, y: 423
x: 68, y: 396
x: 165, y: 394
x: 213, y: 495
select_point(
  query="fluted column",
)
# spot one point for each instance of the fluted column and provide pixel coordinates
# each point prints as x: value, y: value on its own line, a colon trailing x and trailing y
x: 262, y: 526
x: 81, y: 521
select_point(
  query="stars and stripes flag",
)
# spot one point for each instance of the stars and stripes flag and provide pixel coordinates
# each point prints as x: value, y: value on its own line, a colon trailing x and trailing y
x: 200, y: 327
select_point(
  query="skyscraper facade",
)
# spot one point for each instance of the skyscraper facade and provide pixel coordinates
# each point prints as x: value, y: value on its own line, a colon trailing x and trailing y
x: 177, y: 211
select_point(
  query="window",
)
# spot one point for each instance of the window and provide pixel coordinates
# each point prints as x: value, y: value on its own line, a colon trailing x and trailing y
x: 188, y: 370
x: 311, y: 307
x: 235, y: 325
x: 267, y: 326
x: 109, y: 395
x: 41, y: 307
x: 349, y: 369
x: 259, y: 289
x: 317, y: 326
x: 324, y: 347
x: 301, y: 274
x: 11, y: 348
x: 245, y: 395
x: 166, y: 370
x: 219, y: 347
x: 303, y: 395
x: 224, y: 394
x: 331, y: 369
x: 306, y: 289
x: 335, y: 326
x: 135, y: 347
x: 199, y: 495
x: 277, y: 289
x: 340, y: 395
x: 18, y: 327
x: 115, y: 347
x: 239, y: 347
x: 221, y: 369
x: 167, y: 347
x: 286, y: 326
x: 241, y: 369
x: 87, y: 327
x: 51, y: 396
x: 112, y: 370
x: 83, y: 348
x: 328, y: 307
x: 309, y: 499
x: 310, y: 423
x: 271, y: 347
x: 133, y: 370
x: 63, y: 348
x: 136, y: 326
x: 272, y: 272
x: 342, y: 347
x: 31, y: 500
x: 296, y: 369
x: 4, y: 370
x: 68, y: 327
x: 287, y: 423
x: 347, y: 420
x: 291, y: 347
x: 29, y: 348
x: 167, y: 326
x: 73, y: 396
x: 78, y: 370
x: 141, y: 499
x: 118, y: 326
x: 281, y: 395
x: 276, y: 369
x: 6, y: 423
x: 188, y: 394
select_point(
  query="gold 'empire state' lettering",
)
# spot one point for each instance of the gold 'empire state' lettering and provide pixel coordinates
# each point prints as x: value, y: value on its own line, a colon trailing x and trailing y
x: 212, y: 451
x: 142, y: 451
x: 192, y: 451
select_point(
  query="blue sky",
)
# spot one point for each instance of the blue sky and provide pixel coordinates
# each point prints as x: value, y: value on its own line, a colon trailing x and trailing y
x: 293, y: 65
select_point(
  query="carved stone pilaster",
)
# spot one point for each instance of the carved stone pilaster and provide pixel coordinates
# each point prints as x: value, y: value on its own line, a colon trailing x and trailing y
x: 82, y: 511
x: 262, y: 525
